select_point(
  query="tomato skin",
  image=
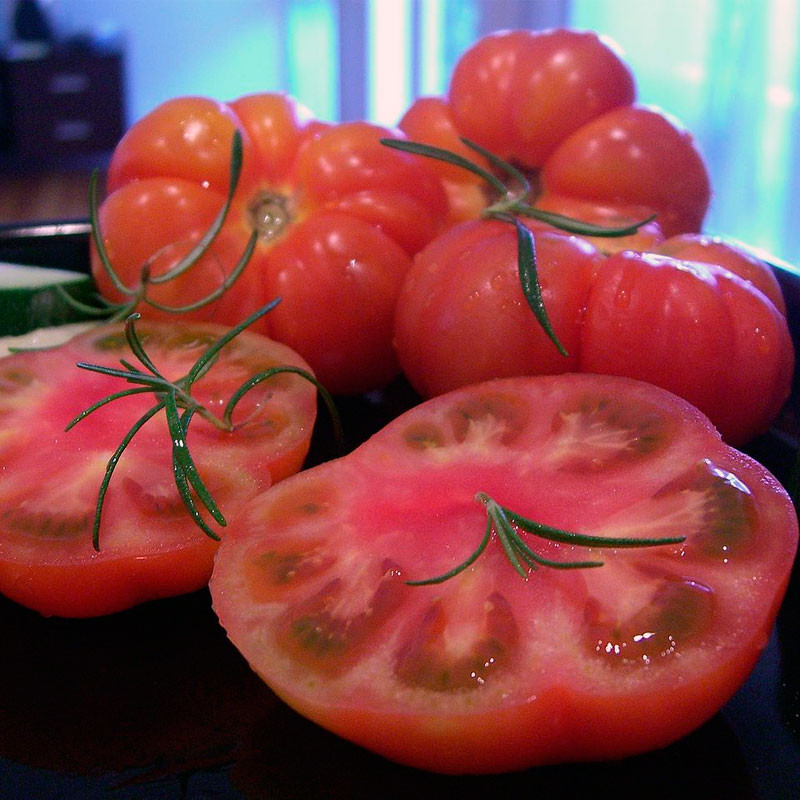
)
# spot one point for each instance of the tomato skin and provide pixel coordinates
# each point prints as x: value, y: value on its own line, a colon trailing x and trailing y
x: 149, y: 545
x: 168, y: 180
x: 342, y: 277
x: 649, y: 236
x: 715, y: 250
x: 187, y: 137
x: 695, y: 329
x: 50, y: 588
x: 521, y: 93
x: 636, y: 158
x: 581, y: 452
x: 462, y: 318
x: 430, y: 120
x: 157, y: 221
x: 711, y: 337
x: 346, y: 168
x: 278, y: 127
x: 560, y: 104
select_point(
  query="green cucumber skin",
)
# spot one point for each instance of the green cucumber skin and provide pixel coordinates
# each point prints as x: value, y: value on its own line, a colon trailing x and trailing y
x: 26, y: 308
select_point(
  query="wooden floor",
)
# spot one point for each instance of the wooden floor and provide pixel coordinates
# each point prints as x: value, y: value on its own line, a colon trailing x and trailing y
x: 44, y: 196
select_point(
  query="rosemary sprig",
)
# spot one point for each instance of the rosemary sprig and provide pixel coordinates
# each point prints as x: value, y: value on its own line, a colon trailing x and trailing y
x: 175, y: 399
x: 509, y: 207
x: 507, y: 524
x: 138, y: 294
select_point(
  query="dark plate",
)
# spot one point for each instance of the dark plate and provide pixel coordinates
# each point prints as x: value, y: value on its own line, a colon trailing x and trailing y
x: 155, y: 703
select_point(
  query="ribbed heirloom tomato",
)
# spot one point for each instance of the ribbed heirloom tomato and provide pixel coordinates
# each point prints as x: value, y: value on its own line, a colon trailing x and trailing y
x: 149, y: 546
x: 561, y: 105
x: 338, y: 216
x: 697, y: 329
x: 504, y: 665
x: 690, y: 313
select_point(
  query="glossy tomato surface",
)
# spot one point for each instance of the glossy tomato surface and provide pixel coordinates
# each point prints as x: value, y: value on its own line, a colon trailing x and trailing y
x: 521, y: 93
x: 699, y: 330
x: 638, y: 159
x: 561, y: 104
x: 149, y: 546
x: 732, y: 256
x: 695, y: 329
x: 490, y: 671
x: 462, y: 317
x: 338, y: 217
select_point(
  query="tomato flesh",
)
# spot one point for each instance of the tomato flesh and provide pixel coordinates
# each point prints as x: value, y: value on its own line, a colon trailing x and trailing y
x: 488, y: 671
x: 149, y: 546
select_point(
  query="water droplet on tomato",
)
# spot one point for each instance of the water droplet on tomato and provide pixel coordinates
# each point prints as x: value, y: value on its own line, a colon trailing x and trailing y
x: 622, y: 299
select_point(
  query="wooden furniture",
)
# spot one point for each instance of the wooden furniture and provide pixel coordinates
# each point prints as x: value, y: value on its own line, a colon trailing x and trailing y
x: 66, y: 104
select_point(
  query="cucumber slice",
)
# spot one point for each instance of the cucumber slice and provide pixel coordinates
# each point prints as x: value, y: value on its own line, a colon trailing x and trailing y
x: 42, y: 338
x: 29, y: 299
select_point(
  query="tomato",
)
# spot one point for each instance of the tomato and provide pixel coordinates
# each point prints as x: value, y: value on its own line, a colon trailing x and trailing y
x: 560, y: 104
x: 149, y: 545
x: 338, y: 217
x: 648, y: 236
x: 491, y: 671
x: 695, y: 329
x: 521, y: 93
x: 430, y: 120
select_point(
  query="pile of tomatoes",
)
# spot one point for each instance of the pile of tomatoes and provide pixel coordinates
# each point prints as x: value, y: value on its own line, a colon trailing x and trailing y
x: 383, y: 261
x: 387, y: 262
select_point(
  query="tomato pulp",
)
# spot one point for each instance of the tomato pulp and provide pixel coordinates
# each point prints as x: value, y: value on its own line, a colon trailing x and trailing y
x: 338, y: 217
x: 490, y: 671
x: 149, y: 545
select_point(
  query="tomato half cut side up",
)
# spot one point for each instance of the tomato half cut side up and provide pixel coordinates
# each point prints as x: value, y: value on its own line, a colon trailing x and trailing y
x: 149, y: 546
x: 488, y: 671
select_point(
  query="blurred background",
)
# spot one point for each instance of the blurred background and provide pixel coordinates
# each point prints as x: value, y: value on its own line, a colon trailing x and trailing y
x: 728, y: 69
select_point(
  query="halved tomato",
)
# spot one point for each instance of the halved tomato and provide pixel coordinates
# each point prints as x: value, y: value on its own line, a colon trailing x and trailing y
x: 149, y: 544
x: 499, y: 668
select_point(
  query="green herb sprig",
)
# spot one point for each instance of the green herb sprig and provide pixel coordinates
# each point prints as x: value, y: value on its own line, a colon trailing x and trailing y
x: 511, y: 205
x: 507, y: 524
x: 175, y: 399
x: 139, y: 294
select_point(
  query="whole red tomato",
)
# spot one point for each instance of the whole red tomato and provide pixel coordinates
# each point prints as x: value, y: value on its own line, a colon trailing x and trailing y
x: 698, y: 330
x: 560, y: 104
x: 338, y: 218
